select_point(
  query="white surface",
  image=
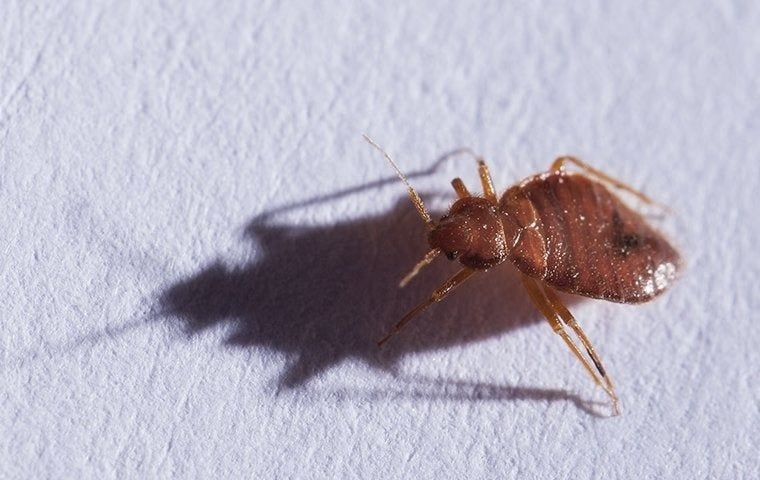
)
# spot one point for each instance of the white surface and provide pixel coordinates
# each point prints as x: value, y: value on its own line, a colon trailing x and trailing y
x: 148, y: 154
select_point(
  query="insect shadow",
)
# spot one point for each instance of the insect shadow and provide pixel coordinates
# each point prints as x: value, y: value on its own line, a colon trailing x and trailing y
x: 323, y: 295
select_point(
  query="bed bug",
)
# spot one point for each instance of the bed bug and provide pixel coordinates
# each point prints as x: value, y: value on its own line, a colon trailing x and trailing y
x: 563, y: 231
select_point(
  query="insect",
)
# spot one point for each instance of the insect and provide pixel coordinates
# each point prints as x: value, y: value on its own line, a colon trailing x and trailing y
x: 563, y: 231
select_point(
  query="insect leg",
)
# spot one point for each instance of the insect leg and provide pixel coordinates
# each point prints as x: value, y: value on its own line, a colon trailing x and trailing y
x: 450, y: 284
x: 570, y: 321
x: 429, y: 257
x: 561, y: 163
x: 485, y: 178
x: 543, y: 304
x: 460, y: 188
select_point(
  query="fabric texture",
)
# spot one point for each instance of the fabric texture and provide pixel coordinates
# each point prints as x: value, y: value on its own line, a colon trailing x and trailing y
x: 200, y: 251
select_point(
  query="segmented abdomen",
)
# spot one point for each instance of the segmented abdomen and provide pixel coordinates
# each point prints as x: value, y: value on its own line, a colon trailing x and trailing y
x: 574, y: 234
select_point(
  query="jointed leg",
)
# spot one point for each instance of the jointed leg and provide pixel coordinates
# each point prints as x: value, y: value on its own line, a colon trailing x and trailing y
x: 570, y: 321
x: 450, y: 284
x: 489, y: 191
x: 460, y: 188
x: 561, y: 163
x: 462, y: 192
x: 485, y: 178
x: 545, y: 306
x: 429, y: 257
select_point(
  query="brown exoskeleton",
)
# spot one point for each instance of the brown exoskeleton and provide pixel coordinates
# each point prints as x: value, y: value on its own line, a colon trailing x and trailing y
x: 561, y: 230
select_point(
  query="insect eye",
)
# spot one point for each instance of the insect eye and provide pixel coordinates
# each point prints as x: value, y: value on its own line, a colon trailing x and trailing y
x: 631, y: 241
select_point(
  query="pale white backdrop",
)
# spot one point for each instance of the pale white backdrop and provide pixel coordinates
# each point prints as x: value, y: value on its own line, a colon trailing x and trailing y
x: 199, y: 251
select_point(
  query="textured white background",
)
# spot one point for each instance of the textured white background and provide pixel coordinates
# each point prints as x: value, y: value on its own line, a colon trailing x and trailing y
x: 199, y: 251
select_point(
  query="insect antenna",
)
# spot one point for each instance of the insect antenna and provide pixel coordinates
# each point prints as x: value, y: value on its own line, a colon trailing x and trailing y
x: 416, y: 200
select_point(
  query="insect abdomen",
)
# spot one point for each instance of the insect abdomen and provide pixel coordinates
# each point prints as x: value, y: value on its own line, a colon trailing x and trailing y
x: 575, y: 235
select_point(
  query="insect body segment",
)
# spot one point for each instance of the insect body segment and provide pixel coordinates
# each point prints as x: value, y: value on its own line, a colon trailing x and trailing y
x: 472, y: 233
x: 561, y: 230
x: 587, y: 242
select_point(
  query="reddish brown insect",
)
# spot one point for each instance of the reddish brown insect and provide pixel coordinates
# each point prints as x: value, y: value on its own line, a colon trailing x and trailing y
x: 564, y: 231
